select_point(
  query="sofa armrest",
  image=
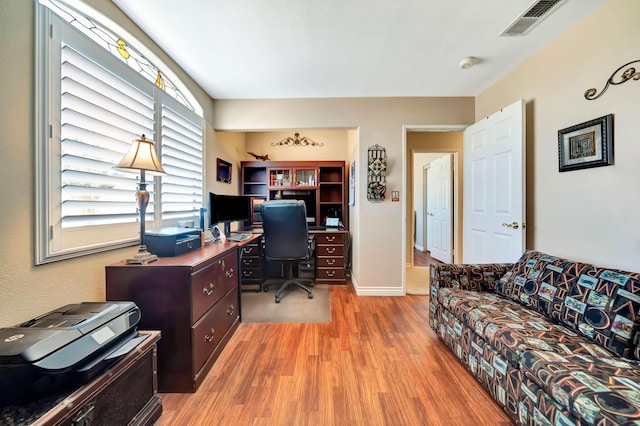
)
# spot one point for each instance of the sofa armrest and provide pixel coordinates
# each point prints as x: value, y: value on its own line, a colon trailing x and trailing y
x: 474, y: 277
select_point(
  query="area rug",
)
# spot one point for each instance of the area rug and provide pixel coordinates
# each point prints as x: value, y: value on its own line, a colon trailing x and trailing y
x: 417, y: 280
x: 294, y: 306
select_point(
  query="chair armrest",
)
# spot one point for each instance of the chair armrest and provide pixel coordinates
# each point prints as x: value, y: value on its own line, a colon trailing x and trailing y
x: 474, y: 277
x: 312, y: 243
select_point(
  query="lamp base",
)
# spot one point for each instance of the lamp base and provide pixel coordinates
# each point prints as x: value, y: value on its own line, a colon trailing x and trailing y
x: 142, y: 257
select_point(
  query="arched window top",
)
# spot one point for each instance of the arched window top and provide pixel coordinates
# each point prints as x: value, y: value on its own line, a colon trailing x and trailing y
x: 122, y: 50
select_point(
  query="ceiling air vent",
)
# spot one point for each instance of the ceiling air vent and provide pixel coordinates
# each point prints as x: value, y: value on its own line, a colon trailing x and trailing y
x: 538, y: 11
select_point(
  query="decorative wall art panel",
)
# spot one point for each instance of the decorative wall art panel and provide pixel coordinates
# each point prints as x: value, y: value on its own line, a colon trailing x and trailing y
x: 376, y: 174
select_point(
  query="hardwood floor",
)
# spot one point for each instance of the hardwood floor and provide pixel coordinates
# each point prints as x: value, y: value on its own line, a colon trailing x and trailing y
x: 423, y: 258
x: 376, y: 363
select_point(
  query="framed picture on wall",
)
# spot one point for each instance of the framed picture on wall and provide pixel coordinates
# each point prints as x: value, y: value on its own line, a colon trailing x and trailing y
x: 223, y: 171
x: 585, y: 145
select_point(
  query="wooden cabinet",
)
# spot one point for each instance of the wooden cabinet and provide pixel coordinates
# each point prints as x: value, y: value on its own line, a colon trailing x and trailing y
x: 331, y: 251
x: 193, y: 299
x: 125, y: 393
x: 251, y: 264
x: 320, y: 184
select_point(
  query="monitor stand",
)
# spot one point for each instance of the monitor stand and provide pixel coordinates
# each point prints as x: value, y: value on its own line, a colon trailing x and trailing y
x: 227, y: 229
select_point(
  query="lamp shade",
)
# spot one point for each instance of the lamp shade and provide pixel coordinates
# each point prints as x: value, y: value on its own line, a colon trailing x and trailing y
x: 141, y: 156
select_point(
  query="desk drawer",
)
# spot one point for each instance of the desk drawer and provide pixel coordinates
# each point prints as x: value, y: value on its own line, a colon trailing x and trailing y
x: 328, y: 238
x: 211, y: 283
x: 330, y: 262
x: 251, y: 250
x: 250, y: 262
x: 330, y: 274
x: 329, y: 250
x: 207, y: 333
x: 250, y: 274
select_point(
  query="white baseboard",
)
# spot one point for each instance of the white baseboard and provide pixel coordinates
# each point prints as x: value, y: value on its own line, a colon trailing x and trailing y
x: 419, y: 247
x: 376, y: 291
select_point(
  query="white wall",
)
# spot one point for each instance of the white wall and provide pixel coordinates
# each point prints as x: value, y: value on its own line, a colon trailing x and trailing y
x: 589, y: 215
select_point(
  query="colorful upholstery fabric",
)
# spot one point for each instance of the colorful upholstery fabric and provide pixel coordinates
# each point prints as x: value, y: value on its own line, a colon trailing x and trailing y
x: 468, y: 277
x: 510, y: 328
x: 536, y: 407
x: 601, y: 304
x: 548, y: 344
x: 597, y: 391
x: 500, y: 379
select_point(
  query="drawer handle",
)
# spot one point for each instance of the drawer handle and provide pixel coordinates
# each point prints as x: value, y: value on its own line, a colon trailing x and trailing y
x: 246, y: 250
x: 330, y: 250
x: 208, y: 291
x: 229, y: 273
x: 331, y: 238
x: 331, y: 261
x: 230, y: 310
x: 221, y: 262
x: 331, y: 273
x: 208, y: 338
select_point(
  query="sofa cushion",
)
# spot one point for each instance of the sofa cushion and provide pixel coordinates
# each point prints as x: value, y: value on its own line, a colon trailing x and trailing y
x: 598, y: 391
x: 512, y: 328
x: 602, y: 304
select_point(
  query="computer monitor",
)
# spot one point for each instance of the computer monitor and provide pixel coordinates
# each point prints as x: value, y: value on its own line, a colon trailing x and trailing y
x: 228, y: 208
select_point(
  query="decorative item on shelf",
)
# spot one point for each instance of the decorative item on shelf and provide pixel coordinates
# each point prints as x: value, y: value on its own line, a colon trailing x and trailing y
x: 259, y: 157
x: 296, y: 140
x: 629, y: 73
x: 141, y: 156
x: 585, y: 145
x: 223, y: 171
x: 376, y: 173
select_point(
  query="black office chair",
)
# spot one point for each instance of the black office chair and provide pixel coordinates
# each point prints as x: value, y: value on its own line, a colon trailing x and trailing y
x: 286, y: 239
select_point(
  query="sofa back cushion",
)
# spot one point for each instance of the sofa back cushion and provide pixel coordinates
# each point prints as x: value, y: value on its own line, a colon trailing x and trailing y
x: 600, y: 303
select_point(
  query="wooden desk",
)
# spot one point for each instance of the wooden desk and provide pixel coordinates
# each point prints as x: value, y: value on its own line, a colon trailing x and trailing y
x: 193, y: 299
x: 125, y: 393
x: 329, y: 263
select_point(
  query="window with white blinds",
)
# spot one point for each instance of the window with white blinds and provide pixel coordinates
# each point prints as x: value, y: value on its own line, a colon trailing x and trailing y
x: 182, y: 159
x: 92, y: 107
x: 100, y: 115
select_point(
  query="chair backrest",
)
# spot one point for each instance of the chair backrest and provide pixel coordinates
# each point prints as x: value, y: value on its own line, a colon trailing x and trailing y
x: 286, y: 235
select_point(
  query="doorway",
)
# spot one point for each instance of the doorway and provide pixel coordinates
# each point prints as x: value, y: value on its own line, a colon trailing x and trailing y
x: 422, y: 145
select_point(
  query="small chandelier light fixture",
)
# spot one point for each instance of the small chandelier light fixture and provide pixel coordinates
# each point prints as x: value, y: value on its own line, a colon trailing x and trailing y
x: 296, y: 140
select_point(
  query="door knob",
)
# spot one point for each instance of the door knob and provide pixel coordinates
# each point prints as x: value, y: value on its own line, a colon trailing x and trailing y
x: 429, y: 214
x: 513, y: 225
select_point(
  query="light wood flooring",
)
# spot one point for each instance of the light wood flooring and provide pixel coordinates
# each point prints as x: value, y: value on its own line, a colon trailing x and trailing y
x: 423, y: 258
x: 376, y: 363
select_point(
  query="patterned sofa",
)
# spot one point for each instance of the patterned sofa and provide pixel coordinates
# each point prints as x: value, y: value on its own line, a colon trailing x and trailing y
x: 553, y: 341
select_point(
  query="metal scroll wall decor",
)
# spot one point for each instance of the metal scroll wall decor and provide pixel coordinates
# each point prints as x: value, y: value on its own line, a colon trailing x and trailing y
x: 297, y: 140
x: 619, y: 76
x: 376, y: 174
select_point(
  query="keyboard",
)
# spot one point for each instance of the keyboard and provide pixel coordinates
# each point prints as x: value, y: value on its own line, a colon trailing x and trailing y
x: 240, y: 237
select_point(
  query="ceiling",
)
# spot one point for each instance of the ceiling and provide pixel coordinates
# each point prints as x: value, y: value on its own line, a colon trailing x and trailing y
x: 257, y: 49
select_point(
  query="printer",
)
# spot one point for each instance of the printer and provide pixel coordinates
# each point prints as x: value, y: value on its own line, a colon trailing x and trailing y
x: 63, y: 348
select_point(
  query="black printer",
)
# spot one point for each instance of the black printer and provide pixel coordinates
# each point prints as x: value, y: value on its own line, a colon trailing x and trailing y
x: 63, y: 348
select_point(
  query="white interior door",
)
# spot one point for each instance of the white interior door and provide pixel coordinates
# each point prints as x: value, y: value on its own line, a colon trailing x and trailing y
x: 428, y: 216
x: 441, y: 209
x: 494, y: 187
